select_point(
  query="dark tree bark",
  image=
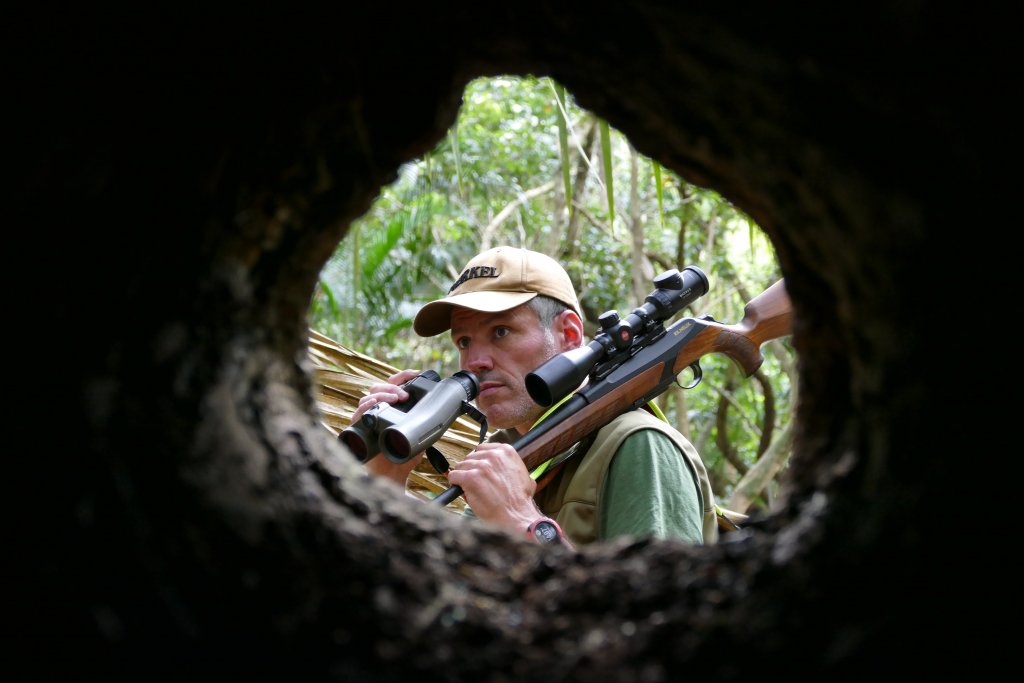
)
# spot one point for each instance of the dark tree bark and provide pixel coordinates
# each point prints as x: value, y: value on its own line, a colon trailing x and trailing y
x: 181, y: 179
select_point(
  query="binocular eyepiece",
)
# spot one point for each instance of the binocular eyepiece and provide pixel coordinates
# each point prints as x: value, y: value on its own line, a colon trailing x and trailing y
x: 405, y: 429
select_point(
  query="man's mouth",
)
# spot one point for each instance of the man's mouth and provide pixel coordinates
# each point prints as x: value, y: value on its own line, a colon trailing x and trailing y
x: 489, y: 388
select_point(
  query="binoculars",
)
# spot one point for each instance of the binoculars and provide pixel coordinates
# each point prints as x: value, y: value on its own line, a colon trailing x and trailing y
x: 407, y: 428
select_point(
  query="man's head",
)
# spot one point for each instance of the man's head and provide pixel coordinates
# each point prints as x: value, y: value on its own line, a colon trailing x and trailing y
x: 499, y: 279
x: 509, y: 311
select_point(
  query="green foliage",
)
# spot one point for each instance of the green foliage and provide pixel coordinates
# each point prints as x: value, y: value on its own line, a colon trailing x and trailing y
x: 563, y: 143
x: 504, y: 174
x: 609, y: 176
x: 659, y: 190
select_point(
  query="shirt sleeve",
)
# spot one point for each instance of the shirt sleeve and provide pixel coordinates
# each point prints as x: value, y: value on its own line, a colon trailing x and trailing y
x: 650, y: 491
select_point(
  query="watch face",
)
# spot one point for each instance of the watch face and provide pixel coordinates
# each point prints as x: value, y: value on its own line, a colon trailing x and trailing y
x: 545, y: 532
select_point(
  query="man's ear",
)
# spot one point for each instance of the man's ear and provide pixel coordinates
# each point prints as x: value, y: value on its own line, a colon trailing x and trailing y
x: 569, y: 330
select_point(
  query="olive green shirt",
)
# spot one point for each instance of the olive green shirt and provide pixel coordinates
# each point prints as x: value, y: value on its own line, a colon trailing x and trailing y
x: 650, y: 492
x: 639, y: 477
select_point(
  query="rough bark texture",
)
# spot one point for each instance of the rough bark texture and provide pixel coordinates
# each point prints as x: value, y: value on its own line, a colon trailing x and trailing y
x: 183, y: 178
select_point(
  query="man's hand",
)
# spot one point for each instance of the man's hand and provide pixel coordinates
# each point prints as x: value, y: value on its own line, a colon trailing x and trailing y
x: 497, y: 486
x: 391, y: 393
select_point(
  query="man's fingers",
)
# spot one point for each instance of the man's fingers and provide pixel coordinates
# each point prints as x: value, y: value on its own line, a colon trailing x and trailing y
x: 379, y: 393
x: 403, y: 376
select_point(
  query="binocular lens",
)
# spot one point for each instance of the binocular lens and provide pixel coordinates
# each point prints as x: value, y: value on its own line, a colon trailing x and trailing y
x: 355, y: 444
x: 396, y: 444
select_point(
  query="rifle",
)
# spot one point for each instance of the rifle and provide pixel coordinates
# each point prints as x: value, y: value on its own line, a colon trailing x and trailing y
x: 633, y: 360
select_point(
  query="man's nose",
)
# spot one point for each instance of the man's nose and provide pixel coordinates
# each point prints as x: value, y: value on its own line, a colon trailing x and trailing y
x: 477, y: 360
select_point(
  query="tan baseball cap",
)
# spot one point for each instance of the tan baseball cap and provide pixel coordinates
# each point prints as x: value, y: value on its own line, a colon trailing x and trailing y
x: 497, y: 280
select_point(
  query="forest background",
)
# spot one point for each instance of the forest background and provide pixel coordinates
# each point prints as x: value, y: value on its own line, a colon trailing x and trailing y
x: 525, y: 166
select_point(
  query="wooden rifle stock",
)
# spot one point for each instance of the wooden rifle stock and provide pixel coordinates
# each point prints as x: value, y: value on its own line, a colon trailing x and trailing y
x: 651, y: 371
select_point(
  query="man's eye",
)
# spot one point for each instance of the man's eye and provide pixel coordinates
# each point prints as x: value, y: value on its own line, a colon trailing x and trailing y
x: 462, y: 343
x: 501, y: 332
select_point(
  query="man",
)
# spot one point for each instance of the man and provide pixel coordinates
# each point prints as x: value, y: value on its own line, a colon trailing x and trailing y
x: 508, y: 312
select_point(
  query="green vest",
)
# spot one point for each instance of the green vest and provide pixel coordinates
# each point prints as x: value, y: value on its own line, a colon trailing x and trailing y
x: 574, y: 497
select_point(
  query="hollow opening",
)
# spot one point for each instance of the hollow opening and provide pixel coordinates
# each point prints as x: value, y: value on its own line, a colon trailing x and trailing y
x: 526, y: 166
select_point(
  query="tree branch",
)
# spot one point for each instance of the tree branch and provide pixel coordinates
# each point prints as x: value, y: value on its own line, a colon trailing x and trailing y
x: 488, y: 232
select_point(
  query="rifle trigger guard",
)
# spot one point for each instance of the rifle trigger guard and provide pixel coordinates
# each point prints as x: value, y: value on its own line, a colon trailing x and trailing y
x: 698, y: 374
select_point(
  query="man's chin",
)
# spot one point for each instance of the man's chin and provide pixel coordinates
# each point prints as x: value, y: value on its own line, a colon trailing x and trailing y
x: 497, y: 419
x: 506, y: 421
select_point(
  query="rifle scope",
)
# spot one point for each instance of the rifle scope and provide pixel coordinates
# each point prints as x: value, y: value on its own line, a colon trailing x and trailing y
x: 405, y: 429
x: 564, y: 373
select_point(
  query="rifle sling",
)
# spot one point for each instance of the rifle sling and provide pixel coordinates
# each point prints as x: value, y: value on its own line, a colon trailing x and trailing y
x: 556, y: 463
x: 583, y: 446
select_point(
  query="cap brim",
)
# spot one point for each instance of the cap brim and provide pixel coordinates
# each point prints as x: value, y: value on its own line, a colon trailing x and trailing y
x: 436, y: 317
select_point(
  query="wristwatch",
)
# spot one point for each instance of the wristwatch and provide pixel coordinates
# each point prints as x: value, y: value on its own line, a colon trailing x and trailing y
x: 546, y: 531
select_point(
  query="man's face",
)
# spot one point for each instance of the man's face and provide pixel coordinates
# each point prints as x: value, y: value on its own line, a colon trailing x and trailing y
x: 501, y: 349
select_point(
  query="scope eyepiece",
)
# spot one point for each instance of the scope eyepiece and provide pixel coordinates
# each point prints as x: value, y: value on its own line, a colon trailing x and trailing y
x: 562, y: 374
